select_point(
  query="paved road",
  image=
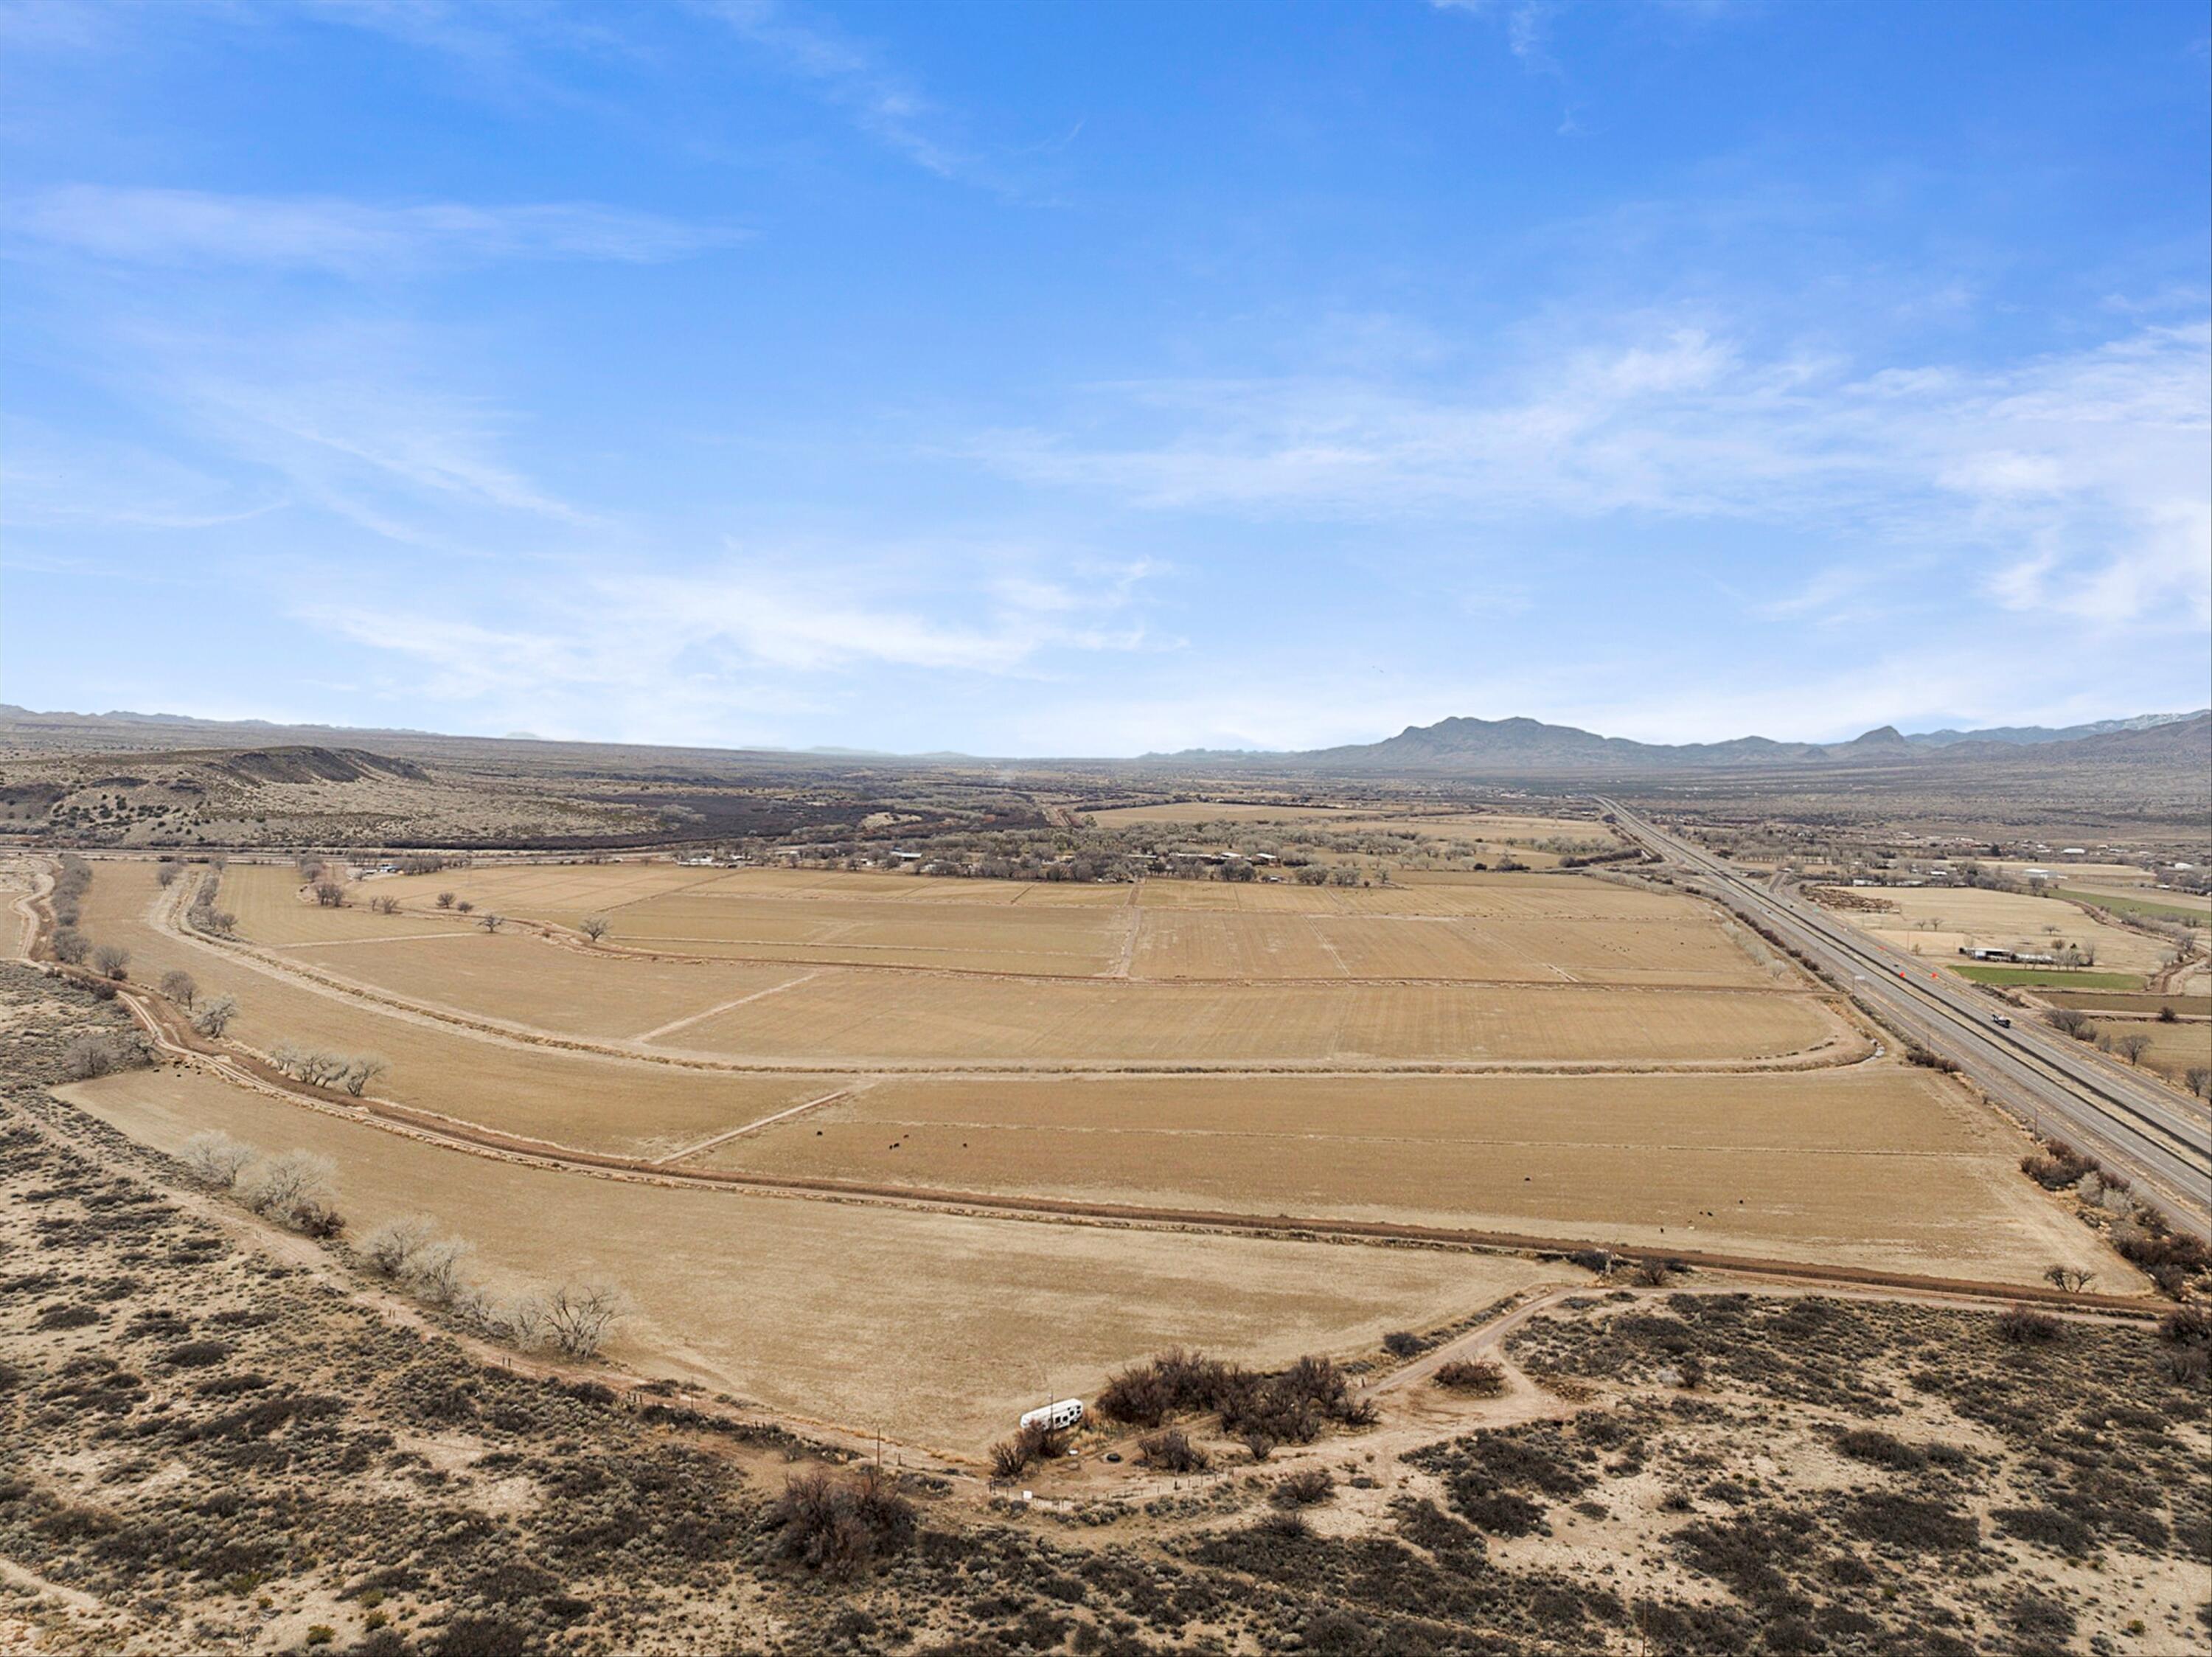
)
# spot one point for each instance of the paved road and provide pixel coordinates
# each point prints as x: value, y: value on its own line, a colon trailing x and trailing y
x: 2159, y: 1139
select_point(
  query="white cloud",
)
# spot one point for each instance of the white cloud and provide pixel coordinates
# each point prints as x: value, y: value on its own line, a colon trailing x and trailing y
x: 348, y: 238
x: 2075, y: 481
x: 705, y: 651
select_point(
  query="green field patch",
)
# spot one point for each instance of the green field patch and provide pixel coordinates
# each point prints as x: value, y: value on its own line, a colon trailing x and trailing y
x: 2143, y: 908
x: 2050, y: 978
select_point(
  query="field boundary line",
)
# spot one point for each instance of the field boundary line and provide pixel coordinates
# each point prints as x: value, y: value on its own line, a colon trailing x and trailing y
x: 429, y: 1127
x: 163, y: 913
x: 724, y: 1138
x: 757, y: 994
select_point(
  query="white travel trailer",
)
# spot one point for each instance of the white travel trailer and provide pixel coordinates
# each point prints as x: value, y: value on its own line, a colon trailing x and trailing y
x: 1057, y: 1417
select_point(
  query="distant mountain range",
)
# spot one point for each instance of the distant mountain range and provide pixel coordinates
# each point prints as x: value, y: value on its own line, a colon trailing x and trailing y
x: 1514, y: 747
x: 1530, y: 747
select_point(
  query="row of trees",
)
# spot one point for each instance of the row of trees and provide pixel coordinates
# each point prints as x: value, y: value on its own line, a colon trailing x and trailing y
x: 293, y: 1188
x: 572, y: 1319
x: 321, y: 1067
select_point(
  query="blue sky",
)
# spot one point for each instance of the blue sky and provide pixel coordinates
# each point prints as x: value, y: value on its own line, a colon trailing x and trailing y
x: 1065, y: 379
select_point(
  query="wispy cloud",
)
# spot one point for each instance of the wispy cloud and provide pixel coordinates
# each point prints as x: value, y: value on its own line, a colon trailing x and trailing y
x: 880, y: 100
x: 2076, y: 482
x: 717, y: 649
x: 353, y: 238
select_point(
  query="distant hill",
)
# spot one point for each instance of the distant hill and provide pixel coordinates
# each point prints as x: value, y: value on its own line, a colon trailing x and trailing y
x: 1528, y: 747
x: 1460, y: 746
x: 2029, y: 735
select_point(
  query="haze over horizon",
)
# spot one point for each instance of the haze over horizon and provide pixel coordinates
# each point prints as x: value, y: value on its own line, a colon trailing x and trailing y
x: 1092, y: 381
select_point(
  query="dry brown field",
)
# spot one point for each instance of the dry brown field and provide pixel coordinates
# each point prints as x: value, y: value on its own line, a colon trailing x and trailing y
x: 939, y: 1328
x: 572, y: 1098
x: 1969, y: 917
x: 1291, y: 1083
x: 2175, y: 1048
x: 1878, y: 1165
x: 1490, y: 825
x: 867, y: 1020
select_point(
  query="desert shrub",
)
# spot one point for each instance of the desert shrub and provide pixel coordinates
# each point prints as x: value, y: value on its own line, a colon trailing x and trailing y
x: 2024, y: 1326
x: 1921, y: 1056
x: 2147, y: 1243
x: 2187, y: 1326
x: 1009, y: 1457
x: 2058, y: 1165
x: 2188, y: 1365
x: 1177, y: 1382
x: 1404, y: 1343
x: 1477, y: 1377
x: 1172, y: 1451
x: 1868, y: 1444
x: 1904, y: 1521
x: 839, y: 1527
x: 1259, y: 1445
x: 2048, y: 1527
x: 1304, y: 1488
x: 214, y: 1159
x: 196, y: 1355
x: 1652, y: 1274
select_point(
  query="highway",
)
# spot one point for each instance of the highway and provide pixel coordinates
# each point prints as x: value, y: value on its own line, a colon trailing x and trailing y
x: 2161, y: 1140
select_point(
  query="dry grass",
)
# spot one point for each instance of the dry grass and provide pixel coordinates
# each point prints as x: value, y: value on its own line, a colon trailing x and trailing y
x: 932, y: 1324
x: 1877, y: 1165
x: 2005, y: 920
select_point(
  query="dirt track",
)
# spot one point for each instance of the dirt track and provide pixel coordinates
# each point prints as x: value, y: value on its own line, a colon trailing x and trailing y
x: 1846, y: 1045
x: 172, y: 1038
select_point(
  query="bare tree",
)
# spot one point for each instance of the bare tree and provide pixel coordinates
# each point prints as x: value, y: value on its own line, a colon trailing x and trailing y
x: 2199, y: 1078
x: 2072, y: 1021
x: 213, y: 1017
x: 166, y: 872
x: 362, y: 1069
x: 2072, y: 1279
x: 214, y: 1159
x: 2131, y: 1048
x: 180, y: 987
x: 438, y: 1273
x: 70, y: 946
x: 109, y: 960
x: 330, y: 894
x: 291, y: 1182
x: 384, y: 906
x: 579, y: 1317
x: 522, y: 1320
x: 445, y: 900
x: 491, y: 922
x: 93, y: 1054
x: 593, y: 926
x: 391, y: 1250
x: 465, y: 906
